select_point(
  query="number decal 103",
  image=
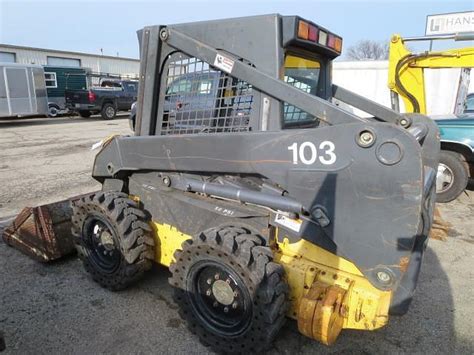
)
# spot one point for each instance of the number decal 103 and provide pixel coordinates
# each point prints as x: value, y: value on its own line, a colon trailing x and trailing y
x: 308, y: 154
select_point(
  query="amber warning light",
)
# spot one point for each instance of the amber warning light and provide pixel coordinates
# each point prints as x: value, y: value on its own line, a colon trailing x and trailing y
x: 312, y: 33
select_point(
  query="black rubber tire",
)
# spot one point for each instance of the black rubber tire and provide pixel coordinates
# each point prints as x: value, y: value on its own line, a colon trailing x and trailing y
x: 85, y: 114
x: 131, y: 233
x: 107, y: 108
x: 240, y: 250
x: 53, y: 110
x: 460, y: 172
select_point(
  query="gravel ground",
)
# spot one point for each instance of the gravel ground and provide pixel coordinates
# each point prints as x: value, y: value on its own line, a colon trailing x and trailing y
x: 56, y: 308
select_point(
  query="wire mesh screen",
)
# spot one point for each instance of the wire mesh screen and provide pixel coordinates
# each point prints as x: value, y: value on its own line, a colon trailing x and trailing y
x: 200, y: 99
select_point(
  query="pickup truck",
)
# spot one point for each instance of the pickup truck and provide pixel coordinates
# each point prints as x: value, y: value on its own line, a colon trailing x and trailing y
x: 456, y: 161
x: 107, y: 99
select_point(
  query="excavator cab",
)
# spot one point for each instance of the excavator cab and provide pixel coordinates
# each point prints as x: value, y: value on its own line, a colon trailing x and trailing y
x: 263, y: 198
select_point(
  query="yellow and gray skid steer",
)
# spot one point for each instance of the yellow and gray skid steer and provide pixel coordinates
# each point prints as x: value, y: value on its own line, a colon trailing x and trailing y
x: 263, y: 198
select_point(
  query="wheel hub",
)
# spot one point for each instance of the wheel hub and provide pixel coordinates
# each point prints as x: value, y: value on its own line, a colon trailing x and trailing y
x: 105, y: 238
x: 444, y: 178
x: 103, y: 250
x: 110, y: 111
x: 223, y: 292
x: 219, y: 298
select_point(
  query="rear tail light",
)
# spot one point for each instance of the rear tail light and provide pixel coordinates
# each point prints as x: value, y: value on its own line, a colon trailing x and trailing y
x: 303, y: 29
x: 313, y: 33
x: 331, y: 41
x: 338, y: 44
x: 92, y: 96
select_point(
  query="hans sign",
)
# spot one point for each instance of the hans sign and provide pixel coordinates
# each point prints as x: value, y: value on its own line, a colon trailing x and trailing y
x: 453, y: 23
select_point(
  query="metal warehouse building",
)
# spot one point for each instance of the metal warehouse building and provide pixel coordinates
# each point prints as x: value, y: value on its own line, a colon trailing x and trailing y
x: 42, y: 56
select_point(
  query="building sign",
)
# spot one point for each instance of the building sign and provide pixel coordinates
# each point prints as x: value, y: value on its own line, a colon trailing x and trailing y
x: 460, y: 22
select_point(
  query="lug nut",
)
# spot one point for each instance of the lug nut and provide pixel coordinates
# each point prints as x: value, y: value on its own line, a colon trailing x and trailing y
x: 209, y: 281
x: 209, y: 292
x: 216, y: 276
x: 234, y: 305
x: 215, y: 304
x: 226, y: 309
x: 228, y: 281
x: 236, y: 294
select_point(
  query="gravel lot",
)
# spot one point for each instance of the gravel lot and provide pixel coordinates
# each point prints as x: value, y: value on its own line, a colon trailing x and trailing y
x: 56, y: 308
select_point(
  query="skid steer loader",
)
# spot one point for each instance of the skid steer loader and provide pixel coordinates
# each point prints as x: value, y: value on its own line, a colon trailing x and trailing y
x: 263, y: 198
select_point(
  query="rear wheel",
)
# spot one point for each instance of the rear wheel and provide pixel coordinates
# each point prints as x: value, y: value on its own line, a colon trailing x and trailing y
x: 108, y: 111
x: 112, y: 238
x: 53, y: 110
x: 452, y: 176
x: 84, y: 113
x: 230, y: 292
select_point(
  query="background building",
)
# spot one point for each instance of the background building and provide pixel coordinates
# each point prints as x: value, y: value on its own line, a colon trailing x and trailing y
x: 95, y: 62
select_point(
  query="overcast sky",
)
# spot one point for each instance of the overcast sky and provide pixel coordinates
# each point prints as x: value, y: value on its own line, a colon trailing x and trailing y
x: 87, y: 26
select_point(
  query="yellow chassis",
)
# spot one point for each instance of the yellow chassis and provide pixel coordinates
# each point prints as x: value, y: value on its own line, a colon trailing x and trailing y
x: 327, y: 292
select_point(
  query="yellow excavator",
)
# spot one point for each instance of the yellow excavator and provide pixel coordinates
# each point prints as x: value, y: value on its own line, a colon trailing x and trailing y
x: 406, y: 80
x: 406, y: 69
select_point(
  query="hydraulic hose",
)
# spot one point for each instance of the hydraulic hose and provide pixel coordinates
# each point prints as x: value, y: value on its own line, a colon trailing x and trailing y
x: 407, y: 60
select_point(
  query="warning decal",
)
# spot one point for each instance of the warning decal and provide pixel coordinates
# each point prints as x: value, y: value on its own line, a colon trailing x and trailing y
x: 293, y: 224
x: 224, y: 63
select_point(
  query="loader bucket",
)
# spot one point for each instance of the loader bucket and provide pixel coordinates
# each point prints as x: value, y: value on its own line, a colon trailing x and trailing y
x: 42, y: 232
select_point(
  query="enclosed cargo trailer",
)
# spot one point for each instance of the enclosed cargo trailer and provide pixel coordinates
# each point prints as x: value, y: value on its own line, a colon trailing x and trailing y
x: 22, y: 90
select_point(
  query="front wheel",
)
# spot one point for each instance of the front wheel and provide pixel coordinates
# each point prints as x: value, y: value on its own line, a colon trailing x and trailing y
x: 112, y: 238
x: 452, y: 176
x: 230, y: 292
x: 108, y: 111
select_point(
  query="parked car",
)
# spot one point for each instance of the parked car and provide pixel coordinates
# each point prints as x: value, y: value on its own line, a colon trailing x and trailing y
x: 456, y: 163
x: 112, y: 96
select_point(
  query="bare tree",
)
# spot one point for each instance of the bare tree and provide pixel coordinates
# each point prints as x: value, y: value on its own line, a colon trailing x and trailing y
x: 368, y: 50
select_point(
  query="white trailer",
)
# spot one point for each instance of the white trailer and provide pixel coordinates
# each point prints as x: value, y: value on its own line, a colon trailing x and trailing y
x: 22, y: 90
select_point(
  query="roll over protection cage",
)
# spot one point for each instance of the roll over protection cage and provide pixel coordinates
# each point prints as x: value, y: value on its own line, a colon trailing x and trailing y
x: 325, y: 111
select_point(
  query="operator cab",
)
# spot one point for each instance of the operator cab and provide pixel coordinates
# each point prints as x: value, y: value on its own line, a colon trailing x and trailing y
x: 202, y: 98
x: 309, y: 50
